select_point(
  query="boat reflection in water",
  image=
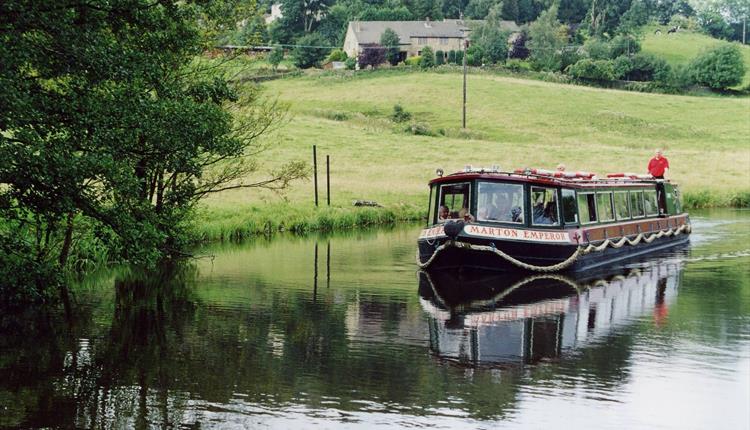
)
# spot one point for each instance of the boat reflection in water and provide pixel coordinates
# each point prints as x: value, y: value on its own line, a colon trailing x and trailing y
x: 488, y: 318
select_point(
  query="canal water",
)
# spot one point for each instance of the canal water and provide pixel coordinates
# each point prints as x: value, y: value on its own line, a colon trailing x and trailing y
x: 341, y: 331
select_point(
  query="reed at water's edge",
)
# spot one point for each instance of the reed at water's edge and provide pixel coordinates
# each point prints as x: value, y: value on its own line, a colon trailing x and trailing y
x: 221, y: 224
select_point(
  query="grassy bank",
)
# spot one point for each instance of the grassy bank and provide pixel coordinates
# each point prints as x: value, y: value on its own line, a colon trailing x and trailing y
x: 511, y: 122
x: 682, y: 47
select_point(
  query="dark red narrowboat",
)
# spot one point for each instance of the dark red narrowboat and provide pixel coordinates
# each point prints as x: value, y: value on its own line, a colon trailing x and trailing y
x: 544, y: 221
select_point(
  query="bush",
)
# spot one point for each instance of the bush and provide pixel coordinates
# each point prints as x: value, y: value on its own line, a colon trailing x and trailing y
x: 371, y: 55
x: 351, y: 63
x: 337, y: 55
x: 682, y: 21
x: 400, y: 114
x: 624, y: 45
x: 451, y: 56
x: 474, y: 55
x: 517, y: 65
x: 428, y: 58
x: 439, y: 58
x: 681, y: 77
x: 459, y: 57
x: 413, y: 61
x: 419, y: 129
x: 597, y: 70
x: 275, y: 57
x: 597, y: 49
x: 719, y: 68
x: 647, y: 67
x: 305, y: 55
x: 518, y: 47
x: 621, y: 67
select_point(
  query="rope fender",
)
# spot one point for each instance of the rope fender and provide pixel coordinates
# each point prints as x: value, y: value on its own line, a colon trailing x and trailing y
x: 580, y: 250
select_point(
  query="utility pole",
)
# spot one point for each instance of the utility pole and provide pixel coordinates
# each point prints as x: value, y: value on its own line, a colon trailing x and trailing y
x: 466, y: 44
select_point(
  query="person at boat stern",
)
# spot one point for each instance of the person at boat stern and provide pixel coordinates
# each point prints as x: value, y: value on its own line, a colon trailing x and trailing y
x: 658, y: 166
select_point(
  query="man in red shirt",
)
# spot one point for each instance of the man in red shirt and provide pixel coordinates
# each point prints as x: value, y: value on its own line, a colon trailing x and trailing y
x: 658, y: 166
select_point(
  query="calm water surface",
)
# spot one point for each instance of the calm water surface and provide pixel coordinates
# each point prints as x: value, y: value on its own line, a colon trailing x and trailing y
x: 342, y: 332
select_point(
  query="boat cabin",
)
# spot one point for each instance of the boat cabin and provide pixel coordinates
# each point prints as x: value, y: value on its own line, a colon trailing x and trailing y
x: 537, y: 200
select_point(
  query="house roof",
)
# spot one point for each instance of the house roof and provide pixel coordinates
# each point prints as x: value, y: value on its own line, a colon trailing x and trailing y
x: 368, y: 32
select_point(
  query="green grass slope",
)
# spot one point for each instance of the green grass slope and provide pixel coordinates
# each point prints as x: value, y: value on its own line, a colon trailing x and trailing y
x: 511, y: 122
x: 683, y: 46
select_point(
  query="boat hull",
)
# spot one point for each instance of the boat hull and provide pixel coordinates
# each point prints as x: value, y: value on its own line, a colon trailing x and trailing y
x: 508, y: 255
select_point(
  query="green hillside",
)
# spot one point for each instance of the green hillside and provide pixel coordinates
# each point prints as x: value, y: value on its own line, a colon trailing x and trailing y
x: 512, y: 123
x: 683, y: 46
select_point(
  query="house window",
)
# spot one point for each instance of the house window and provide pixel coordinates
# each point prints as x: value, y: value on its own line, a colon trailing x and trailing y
x: 443, y: 40
x: 422, y: 40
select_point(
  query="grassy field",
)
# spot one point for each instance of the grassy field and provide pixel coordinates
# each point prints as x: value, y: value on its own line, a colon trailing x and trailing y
x: 683, y: 46
x: 511, y: 122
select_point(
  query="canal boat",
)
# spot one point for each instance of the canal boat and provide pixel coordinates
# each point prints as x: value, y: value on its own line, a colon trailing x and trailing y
x: 542, y: 221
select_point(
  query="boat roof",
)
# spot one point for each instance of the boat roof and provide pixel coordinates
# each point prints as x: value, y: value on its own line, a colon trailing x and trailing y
x: 549, y: 178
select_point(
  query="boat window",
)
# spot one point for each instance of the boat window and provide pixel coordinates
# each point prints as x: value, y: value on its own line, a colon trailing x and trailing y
x: 650, y: 202
x: 636, y: 204
x: 570, y: 216
x: 498, y: 202
x: 587, y: 208
x: 454, y: 198
x: 544, y: 206
x: 621, y: 205
x: 604, y: 206
x: 431, y: 215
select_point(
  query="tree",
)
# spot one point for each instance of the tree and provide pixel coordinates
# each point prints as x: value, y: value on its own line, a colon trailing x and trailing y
x: 372, y: 55
x: 390, y: 41
x: 309, y: 51
x: 118, y: 130
x: 479, y: 9
x: 713, y: 24
x: 604, y: 15
x: 275, y: 57
x: 454, y: 8
x: 572, y: 11
x: 428, y: 58
x: 423, y: 9
x: 634, y: 18
x: 299, y: 17
x: 547, y: 41
x: 490, y: 39
x: 510, y: 10
x: 719, y: 68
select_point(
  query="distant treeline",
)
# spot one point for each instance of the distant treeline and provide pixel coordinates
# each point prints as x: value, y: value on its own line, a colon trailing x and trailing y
x: 722, y: 19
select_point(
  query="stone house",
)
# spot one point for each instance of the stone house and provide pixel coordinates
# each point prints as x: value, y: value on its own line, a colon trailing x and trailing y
x: 445, y: 35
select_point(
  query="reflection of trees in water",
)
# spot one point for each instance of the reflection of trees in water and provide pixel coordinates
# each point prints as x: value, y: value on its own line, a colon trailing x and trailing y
x: 163, y: 354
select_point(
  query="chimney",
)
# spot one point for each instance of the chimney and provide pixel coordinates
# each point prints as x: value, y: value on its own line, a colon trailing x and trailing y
x: 427, y: 22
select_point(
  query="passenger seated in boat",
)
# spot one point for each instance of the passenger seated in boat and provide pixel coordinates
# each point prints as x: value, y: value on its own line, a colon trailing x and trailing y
x: 547, y: 215
x: 443, y: 213
x: 506, y: 212
x: 465, y: 215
